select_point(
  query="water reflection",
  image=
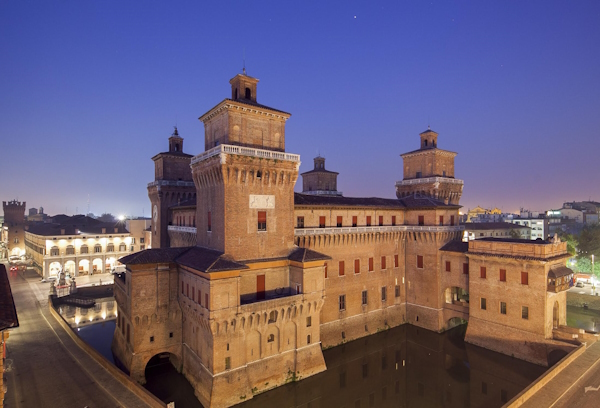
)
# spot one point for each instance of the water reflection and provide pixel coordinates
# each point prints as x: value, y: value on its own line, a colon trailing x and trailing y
x: 407, y: 367
x: 400, y: 367
x: 105, y: 309
x: 587, y: 319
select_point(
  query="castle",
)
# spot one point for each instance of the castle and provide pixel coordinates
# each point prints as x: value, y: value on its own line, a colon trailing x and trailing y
x: 247, y: 281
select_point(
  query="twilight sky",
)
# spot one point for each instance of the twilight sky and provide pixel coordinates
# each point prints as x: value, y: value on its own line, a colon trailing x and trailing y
x: 91, y: 90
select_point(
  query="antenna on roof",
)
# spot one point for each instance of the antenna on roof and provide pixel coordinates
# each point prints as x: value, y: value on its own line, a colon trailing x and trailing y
x: 244, y: 60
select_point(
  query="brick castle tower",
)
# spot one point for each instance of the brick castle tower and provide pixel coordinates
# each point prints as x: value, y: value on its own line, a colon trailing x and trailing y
x: 172, y: 184
x: 429, y: 171
x: 14, y: 220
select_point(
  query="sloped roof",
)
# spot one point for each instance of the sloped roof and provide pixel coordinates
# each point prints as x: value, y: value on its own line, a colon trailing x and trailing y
x: 456, y: 246
x: 412, y: 201
x: 306, y: 255
x: 200, y: 259
x: 559, y: 271
x: 8, y: 312
x: 76, y: 225
x: 478, y: 226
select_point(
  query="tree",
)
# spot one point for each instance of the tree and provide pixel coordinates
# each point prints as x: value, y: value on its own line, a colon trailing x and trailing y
x: 589, y: 241
x: 107, y: 217
x: 572, y: 242
x: 514, y: 234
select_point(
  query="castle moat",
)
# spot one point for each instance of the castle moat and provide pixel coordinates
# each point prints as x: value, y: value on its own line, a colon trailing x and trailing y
x: 401, y: 367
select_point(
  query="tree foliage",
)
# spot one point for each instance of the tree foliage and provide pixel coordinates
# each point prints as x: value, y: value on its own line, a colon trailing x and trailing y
x: 572, y: 242
x: 107, y: 217
x: 589, y: 242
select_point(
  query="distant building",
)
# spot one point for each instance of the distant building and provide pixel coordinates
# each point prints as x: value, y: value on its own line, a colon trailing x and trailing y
x: 36, y: 215
x: 479, y: 230
x: 478, y: 213
x: 78, y: 245
x: 13, y: 229
x: 137, y: 228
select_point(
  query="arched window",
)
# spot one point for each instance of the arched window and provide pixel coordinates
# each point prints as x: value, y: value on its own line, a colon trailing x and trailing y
x: 258, y: 174
x: 83, y: 249
x: 425, y: 143
x: 54, y: 251
x: 235, y: 94
x: 98, y: 249
x: 273, y: 317
x: 122, y: 247
x: 70, y: 250
x: 176, y: 147
x: 271, y: 338
x: 248, y: 93
x: 110, y: 248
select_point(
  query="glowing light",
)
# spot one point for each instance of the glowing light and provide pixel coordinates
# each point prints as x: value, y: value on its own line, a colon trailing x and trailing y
x: 91, y: 318
x: 121, y: 218
x: 77, y: 319
x: 103, y: 315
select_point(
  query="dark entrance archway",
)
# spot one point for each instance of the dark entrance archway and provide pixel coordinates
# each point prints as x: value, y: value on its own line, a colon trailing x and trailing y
x: 167, y: 384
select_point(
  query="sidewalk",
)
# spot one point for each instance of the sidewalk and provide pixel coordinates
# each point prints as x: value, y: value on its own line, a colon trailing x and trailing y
x: 48, y: 368
x: 565, y: 384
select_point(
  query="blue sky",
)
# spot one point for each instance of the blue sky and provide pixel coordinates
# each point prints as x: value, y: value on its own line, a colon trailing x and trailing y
x: 91, y: 91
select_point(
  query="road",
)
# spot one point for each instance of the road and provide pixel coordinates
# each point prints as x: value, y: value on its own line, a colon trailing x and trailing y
x: 45, y: 367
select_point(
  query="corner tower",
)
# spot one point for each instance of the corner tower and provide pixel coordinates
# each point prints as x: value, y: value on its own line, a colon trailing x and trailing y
x: 320, y: 181
x: 245, y: 180
x: 172, y: 184
x: 429, y: 171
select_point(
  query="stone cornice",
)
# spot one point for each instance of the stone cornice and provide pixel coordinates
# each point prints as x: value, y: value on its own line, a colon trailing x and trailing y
x: 427, y: 152
x: 230, y: 105
x: 224, y: 149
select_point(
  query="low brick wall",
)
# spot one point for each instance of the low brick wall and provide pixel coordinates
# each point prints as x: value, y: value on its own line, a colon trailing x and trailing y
x: 578, y: 299
x: 134, y: 387
x: 541, y: 382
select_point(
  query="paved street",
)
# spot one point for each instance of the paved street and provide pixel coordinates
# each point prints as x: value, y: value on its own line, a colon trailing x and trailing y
x: 45, y: 367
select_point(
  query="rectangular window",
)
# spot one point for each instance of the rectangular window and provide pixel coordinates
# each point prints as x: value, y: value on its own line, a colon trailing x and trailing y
x: 341, y: 270
x: 227, y: 363
x: 452, y: 220
x: 420, y: 261
x: 370, y: 264
x: 354, y: 220
x: 187, y: 289
x: 482, y: 272
x: 368, y: 220
x: 182, y: 288
x: 339, y: 221
x: 262, y: 220
x: 193, y: 293
x: 380, y: 220
x: 321, y: 222
x: 357, y: 266
x: 503, y: 308
x: 364, y: 297
x: 206, y: 300
x: 502, y: 275
x: 300, y: 222
x: 395, y: 261
x: 397, y: 291
x: 142, y: 247
x: 524, y: 278
x: 383, y: 293
x: 383, y: 265
x: 142, y: 241
x: 483, y: 304
x: 199, y: 297
x: 421, y: 220
x: 393, y: 220
x: 466, y: 268
x: 448, y: 266
x: 309, y: 321
x: 325, y: 267
x: 342, y: 302
x: 441, y: 220
x: 524, y: 312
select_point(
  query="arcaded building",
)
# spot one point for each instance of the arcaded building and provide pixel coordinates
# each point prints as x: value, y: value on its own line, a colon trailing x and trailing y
x: 247, y: 281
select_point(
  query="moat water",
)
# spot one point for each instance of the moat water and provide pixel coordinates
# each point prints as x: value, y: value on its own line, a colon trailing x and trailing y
x: 401, y: 367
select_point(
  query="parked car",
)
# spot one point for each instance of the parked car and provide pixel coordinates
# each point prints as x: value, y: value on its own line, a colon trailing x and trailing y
x: 579, y: 284
x: 14, y: 268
